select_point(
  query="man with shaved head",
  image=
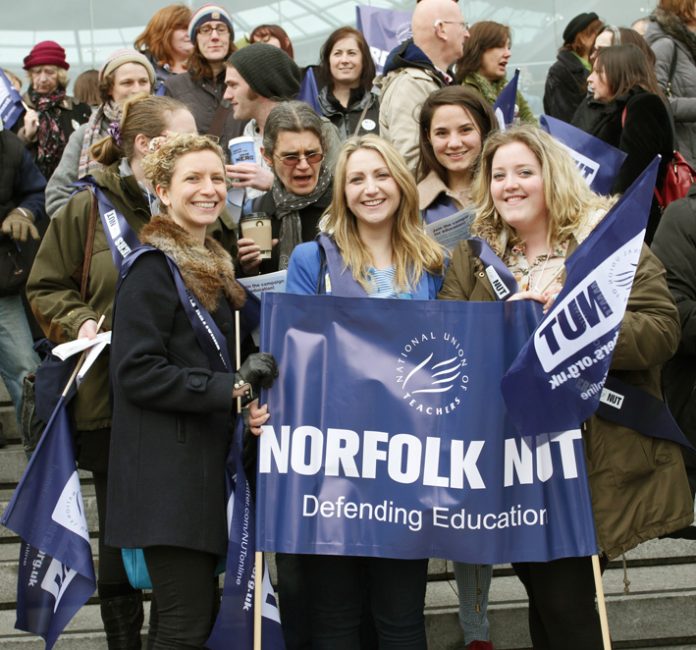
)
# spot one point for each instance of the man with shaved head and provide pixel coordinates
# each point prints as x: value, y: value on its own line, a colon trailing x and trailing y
x: 416, y: 68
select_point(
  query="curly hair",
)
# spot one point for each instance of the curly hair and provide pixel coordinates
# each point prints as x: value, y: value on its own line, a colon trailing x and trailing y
x: 413, y: 251
x: 568, y: 199
x: 159, y: 165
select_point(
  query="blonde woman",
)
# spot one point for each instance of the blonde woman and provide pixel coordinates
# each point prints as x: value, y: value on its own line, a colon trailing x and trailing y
x: 371, y: 243
x: 534, y: 210
x: 374, y: 224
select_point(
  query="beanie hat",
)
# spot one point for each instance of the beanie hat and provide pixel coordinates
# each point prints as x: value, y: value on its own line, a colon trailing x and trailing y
x: 268, y: 70
x: 204, y: 15
x: 46, y: 53
x: 119, y: 57
x: 576, y: 25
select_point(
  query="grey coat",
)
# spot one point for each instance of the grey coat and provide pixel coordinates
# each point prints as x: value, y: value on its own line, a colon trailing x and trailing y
x: 683, y: 99
x: 60, y: 186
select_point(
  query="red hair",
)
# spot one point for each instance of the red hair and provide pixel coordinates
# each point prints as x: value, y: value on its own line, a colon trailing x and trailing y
x: 158, y: 33
x: 262, y: 32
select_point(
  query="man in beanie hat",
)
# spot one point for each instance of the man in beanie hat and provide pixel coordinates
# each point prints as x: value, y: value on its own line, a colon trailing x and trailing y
x: 202, y: 86
x: 125, y: 73
x: 566, y: 82
x: 258, y: 77
x: 51, y: 114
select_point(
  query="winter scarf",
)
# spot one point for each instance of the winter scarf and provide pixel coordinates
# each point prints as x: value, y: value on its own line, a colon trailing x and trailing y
x: 288, y: 206
x: 50, y: 139
x: 674, y: 26
x: 111, y: 112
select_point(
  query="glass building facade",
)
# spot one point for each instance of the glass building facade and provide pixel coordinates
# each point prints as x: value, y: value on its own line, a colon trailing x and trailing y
x: 90, y: 29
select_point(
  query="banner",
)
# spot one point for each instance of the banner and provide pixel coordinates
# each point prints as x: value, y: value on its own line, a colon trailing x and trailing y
x: 388, y: 436
x: 598, y: 162
x: 56, y: 573
x: 557, y: 380
x: 11, y: 106
x: 506, y: 102
x: 383, y: 30
x: 234, y: 626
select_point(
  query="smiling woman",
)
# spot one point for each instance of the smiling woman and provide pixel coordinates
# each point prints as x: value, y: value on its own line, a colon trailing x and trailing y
x: 371, y: 244
x: 347, y: 72
x: 534, y: 209
x: 173, y: 403
x: 454, y: 123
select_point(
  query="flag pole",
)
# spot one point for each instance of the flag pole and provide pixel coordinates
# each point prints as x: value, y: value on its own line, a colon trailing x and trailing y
x: 79, y: 363
x: 258, y: 555
x: 601, y: 602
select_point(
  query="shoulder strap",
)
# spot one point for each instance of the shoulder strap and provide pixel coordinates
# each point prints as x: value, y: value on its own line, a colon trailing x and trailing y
x: 362, y: 117
x: 500, y: 277
x: 89, y: 248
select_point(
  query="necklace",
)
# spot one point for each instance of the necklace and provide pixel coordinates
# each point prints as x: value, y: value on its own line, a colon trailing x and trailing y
x: 540, y: 276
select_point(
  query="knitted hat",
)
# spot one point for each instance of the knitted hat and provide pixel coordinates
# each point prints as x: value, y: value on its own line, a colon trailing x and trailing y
x: 576, y: 25
x: 268, y: 70
x: 46, y: 53
x: 119, y: 57
x: 204, y: 15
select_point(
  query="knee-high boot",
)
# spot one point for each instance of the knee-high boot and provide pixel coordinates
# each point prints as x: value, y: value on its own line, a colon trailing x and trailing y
x: 123, y: 620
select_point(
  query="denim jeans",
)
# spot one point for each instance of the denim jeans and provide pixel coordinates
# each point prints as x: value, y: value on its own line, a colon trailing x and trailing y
x: 17, y: 356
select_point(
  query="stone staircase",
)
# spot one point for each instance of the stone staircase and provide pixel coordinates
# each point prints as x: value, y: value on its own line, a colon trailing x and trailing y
x: 658, y: 612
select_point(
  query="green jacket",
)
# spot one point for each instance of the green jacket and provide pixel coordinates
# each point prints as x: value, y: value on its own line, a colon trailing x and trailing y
x: 638, y: 484
x: 490, y: 90
x: 53, y: 288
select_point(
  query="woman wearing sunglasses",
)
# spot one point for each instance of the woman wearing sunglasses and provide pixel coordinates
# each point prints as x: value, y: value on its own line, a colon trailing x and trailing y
x: 294, y: 148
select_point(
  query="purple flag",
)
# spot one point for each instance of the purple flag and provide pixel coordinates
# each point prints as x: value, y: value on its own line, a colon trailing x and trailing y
x: 56, y: 573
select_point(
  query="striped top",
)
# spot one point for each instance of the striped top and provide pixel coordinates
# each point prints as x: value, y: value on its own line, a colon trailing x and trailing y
x: 382, y: 281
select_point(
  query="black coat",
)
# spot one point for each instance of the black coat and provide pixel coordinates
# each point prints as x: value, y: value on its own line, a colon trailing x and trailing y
x: 171, y: 421
x: 639, y: 124
x: 675, y: 246
x: 566, y: 86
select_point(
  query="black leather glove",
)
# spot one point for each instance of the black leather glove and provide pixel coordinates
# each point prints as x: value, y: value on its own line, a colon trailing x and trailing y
x: 258, y: 371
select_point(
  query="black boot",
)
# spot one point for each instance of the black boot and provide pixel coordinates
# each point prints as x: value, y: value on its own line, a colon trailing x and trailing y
x: 123, y: 619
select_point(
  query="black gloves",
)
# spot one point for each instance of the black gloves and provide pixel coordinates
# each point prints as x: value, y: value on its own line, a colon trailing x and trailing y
x: 258, y: 371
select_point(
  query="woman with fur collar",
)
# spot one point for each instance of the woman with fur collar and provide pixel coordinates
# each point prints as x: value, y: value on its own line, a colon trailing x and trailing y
x: 672, y: 35
x: 173, y: 403
x: 534, y: 209
x: 72, y: 283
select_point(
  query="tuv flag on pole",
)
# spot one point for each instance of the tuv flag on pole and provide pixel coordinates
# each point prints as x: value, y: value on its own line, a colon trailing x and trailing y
x: 234, y: 627
x: 383, y: 30
x: 504, y: 106
x: 557, y: 379
x: 56, y: 573
x: 598, y: 162
x: 309, y: 92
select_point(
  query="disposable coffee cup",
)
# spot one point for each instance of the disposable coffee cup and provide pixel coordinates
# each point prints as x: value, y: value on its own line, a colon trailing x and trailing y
x: 257, y: 226
x: 242, y: 149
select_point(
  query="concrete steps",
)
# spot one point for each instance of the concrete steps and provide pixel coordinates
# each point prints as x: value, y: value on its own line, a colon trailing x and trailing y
x: 658, y: 612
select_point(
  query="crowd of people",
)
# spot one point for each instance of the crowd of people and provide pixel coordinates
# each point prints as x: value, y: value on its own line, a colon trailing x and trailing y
x: 348, y: 189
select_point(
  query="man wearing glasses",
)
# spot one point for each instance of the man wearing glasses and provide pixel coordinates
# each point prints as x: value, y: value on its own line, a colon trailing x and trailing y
x: 202, y: 86
x: 416, y: 68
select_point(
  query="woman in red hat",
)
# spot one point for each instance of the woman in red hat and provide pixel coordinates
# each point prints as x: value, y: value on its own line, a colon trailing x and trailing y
x: 51, y: 114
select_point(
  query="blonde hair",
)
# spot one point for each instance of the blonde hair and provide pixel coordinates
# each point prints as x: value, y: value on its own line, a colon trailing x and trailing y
x: 413, y: 251
x: 159, y: 165
x: 568, y: 199
x: 61, y: 74
x: 142, y: 113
